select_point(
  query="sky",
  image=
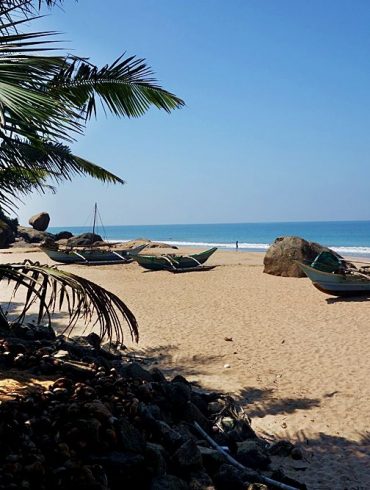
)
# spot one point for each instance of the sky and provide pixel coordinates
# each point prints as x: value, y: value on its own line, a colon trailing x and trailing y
x: 277, y: 119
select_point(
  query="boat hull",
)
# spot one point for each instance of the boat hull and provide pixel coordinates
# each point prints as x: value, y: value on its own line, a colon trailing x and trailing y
x: 173, y: 262
x: 337, y: 284
x: 93, y: 256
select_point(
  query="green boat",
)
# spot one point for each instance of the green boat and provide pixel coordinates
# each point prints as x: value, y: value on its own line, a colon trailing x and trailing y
x: 173, y: 262
x: 98, y: 255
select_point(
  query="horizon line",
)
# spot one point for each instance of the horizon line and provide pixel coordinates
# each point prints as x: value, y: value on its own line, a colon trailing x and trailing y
x: 228, y: 223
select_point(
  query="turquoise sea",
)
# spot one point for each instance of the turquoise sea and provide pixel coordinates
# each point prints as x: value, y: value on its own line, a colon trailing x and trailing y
x: 347, y: 237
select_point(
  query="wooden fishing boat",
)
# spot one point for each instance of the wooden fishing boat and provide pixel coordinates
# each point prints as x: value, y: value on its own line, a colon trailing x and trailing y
x: 91, y: 256
x: 342, y: 279
x: 173, y: 262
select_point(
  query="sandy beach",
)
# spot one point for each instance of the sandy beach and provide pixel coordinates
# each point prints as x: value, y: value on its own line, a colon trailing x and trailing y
x: 298, y: 359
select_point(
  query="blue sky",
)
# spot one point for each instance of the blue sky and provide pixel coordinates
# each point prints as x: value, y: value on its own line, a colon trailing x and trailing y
x: 277, y: 121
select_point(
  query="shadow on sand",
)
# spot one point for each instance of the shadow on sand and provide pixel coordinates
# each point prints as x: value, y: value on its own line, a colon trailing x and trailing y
x: 348, y: 299
x: 329, y: 462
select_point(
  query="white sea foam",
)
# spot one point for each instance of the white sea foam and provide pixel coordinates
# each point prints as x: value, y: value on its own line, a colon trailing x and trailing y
x: 352, y: 250
x: 346, y: 250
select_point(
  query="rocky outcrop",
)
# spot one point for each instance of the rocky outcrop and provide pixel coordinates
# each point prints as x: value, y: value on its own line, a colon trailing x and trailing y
x: 7, y: 235
x: 106, y: 423
x: 40, y: 221
x: 63, y: 235
x: 84, y: 240
x: 281, y: 256
x: 30, y: 235
x: 148, y: 243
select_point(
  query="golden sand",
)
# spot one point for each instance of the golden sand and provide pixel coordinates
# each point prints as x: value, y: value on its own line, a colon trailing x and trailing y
x: 298, y: 359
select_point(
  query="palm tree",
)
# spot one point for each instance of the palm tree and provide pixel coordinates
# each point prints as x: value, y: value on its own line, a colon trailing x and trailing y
x: 45, y: 102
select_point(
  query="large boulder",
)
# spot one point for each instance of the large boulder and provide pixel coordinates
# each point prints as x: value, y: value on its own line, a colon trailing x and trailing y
x: 281, y: 256
x: 30, y: 235
x: 39, y: 221
x: 7, y: 235
x: 84, y: 240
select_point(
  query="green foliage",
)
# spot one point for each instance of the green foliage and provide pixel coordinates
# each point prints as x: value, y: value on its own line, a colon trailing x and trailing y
x: 46, y: 101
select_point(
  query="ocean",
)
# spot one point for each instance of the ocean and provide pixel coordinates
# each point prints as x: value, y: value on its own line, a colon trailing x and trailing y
x: 346, y: 237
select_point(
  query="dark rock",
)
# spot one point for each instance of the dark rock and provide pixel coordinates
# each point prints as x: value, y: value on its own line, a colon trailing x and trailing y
x: 157, y: 375
x: 179, y: 394
x: 188, y: 456
x: 32, y: 331
x: 95, y: 428
x: 155, y: 457
x: 39, y: 221
x: 84, y: 239
x: 63, y: 235
x: 135, y: 371
x: 200, y: 402
x: 279, y: 476
x: 199, y: 480
x: 191, y: 413
x: 253, y: 455
x: 169, y: 437
x: 7, y: 235
x: 296, y: 453
x: 241, y: 431
x: 169, y: 482
x: 131, y: 438
x: 32, y: 236
x: 281, y: 256
x: 98, y: 409
x: 211, y: 458
x: 281, y: 448
x: 180, y: 379
x: 229, y: 478
x: 123, y: 469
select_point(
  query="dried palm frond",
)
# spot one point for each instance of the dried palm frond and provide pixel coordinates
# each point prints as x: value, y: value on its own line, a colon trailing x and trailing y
x: 53, y: 289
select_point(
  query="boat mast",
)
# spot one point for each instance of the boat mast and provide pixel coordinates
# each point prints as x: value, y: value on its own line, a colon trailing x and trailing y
x: 95, y: 214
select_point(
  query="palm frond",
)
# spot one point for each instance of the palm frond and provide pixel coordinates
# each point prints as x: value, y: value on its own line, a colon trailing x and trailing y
x: 26, y: 166
x: 46, y: 100
x: 54, y: 290
x: 25, y: 181
x: 124, y: 88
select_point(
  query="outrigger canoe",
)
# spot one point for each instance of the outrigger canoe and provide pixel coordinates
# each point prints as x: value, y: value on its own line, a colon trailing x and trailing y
x: 334, y: 275
x: 175, y: 263
x: 92, y: 256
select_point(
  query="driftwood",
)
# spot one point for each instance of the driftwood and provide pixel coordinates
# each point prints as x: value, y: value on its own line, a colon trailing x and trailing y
x: 234, y: 462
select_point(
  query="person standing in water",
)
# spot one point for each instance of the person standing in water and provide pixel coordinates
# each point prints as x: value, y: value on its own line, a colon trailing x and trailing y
x: 237, y: 245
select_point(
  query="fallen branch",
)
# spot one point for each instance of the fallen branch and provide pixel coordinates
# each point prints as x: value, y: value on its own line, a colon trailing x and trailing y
x: 234, y: 462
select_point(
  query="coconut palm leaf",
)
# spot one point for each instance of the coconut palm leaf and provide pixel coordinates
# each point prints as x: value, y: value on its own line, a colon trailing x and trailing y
x: 46, y: 100
x: 23, y: 180
x: 125, y: 88
x: 54, y: 290
x: 25, y: 167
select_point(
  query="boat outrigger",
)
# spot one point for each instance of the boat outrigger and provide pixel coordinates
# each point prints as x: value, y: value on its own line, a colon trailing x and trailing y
x: 176, y: 263
x: 91, y: 256
x: 334, y: 275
